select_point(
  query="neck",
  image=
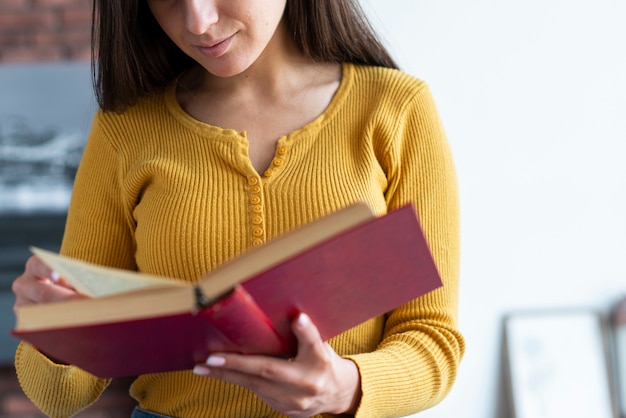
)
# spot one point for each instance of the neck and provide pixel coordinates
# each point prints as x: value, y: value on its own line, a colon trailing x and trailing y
x: 280, y: 69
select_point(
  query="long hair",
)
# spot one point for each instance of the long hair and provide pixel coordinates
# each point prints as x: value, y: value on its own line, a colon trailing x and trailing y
x: 133, y: 58
x: 335, y: 31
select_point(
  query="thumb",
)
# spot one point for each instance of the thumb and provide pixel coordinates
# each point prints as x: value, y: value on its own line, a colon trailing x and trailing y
x: 309, y: 340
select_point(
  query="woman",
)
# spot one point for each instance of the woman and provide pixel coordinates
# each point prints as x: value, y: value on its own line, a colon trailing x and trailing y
x: 223, y: 124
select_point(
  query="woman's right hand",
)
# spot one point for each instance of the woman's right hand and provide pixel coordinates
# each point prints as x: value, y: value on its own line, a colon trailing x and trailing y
x: 39, y: 284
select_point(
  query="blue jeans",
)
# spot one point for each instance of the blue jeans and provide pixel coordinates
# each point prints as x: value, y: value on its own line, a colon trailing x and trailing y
x: 142, y: 413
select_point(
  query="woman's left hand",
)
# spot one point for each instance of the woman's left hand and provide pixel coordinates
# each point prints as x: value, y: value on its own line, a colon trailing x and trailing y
x: 317, y: 380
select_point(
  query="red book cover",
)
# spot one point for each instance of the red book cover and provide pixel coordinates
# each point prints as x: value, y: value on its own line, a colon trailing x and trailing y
x: 166, y: 343
x: 357, y: 275
x: 341, y: 282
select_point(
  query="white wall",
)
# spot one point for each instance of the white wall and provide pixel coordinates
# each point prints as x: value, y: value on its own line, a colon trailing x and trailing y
x: 533, y: 96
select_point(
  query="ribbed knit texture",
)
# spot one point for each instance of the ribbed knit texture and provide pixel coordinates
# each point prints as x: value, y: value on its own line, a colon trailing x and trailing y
x: 163, y: 193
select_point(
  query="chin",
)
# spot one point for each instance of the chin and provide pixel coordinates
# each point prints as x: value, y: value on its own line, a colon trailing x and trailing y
x: 222, y: 66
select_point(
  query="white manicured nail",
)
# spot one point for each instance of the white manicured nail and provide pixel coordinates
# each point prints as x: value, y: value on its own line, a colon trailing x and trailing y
x: 201, y: 370
x: 215, y: 361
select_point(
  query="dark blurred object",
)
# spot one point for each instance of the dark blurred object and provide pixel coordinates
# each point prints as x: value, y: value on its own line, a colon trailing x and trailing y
x: 619, y: 353
x: 17, y: 233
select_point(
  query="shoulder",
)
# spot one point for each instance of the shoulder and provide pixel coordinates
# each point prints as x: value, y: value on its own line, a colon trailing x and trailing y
x: 391, y: 91
x: 139, y: 120
x: 144, y: 109
x: 382, y: 80
x: 391, y: 95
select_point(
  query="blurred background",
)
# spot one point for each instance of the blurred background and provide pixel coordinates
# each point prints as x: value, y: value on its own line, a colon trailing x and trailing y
x: 533, y: 97
x: 46, y: 107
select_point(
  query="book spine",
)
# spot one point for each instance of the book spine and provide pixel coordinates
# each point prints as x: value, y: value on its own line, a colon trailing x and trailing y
x: 241, y: 320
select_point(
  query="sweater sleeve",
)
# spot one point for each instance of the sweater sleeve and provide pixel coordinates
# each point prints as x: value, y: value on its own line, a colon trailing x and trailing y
x: 96, y: 231
x: 416, y: 362
x: 59, y: 391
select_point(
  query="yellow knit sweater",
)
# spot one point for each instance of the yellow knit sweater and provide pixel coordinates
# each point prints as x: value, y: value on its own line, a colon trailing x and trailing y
x: 165, y: 194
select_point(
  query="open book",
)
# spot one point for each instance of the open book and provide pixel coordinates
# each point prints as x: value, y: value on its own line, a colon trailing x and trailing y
x: 341, y: 270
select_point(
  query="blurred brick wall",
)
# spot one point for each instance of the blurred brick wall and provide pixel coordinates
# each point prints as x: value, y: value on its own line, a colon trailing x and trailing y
x: 44, y: 30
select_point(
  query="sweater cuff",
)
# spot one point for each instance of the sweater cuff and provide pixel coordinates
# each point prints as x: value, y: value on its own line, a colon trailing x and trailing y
x: 56, y: 389
x: 371, y: 373
x: 388, y: 388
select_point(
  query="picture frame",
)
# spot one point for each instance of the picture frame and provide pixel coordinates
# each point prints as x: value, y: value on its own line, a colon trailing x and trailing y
x: 558, y: 365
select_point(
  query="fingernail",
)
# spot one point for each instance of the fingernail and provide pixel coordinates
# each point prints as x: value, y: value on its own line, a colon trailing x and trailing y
x: 303, y: 320
x: 201, y: 370
x: 215, y: 361
x: 55, y: 277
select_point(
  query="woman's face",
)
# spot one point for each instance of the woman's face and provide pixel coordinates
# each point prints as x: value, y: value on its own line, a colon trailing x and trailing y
x: 224, y: 36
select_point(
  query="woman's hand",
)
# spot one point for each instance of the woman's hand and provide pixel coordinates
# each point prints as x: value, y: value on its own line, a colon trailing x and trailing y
x: 39, y: 284
x: 317, y: 380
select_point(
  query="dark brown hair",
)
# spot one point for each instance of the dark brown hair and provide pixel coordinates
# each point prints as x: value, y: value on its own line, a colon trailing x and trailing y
x: 133, y: 58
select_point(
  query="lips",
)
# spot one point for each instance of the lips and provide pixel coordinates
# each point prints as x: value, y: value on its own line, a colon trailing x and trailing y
x: 216, y: 49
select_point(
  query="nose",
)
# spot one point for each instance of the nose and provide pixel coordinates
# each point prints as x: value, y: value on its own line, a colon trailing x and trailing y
x: 200, y: 15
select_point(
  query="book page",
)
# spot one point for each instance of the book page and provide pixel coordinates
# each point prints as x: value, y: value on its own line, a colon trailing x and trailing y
x: 97, y: 281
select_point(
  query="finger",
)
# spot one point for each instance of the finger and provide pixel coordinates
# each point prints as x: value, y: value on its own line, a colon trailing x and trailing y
x: 262, y: 376
x: 34, y: 287
x: 38, y: 269
x: 310, y: 344
x: 276, y: 385
x: 41, y: 271
x: 311, y: 350
x: 41, y: 292
x: 269, y: 368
